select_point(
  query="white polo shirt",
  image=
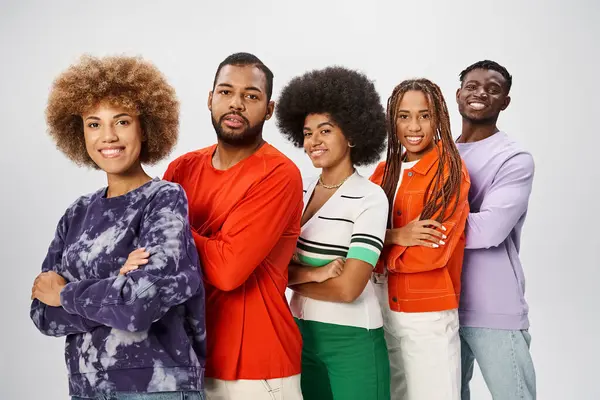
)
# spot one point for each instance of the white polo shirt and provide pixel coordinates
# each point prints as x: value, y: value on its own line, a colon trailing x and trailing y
x: 351, y: 224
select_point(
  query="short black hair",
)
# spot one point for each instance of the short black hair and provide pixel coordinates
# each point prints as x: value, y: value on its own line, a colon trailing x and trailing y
x: 491, y: 65
x: 241, y: 59
x: 351, y: 100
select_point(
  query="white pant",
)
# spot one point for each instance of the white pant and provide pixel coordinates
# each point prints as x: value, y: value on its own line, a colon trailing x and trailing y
x: 424, y: 351
x: 245, y: 389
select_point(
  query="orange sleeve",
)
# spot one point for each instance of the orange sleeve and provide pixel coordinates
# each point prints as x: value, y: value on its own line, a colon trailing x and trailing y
x: 377, y: 176
x: 413, y: 259
x: 252, y: 229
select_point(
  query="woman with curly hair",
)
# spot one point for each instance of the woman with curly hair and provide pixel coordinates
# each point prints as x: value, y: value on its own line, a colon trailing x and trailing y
x: 427, y: 187
x: 335, y: 114
x: 121, y: 278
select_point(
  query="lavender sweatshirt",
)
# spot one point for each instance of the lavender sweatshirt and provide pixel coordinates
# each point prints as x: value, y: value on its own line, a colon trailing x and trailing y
x: 142, y: 332
x: 493, y: 283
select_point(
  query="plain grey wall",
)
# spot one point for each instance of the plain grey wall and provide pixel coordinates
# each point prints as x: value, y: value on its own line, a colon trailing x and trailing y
x: 550, y: 47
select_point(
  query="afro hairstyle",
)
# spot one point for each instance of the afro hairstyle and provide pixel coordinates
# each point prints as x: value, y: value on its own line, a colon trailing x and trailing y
x: 349, y: 98
x: 124, y: 82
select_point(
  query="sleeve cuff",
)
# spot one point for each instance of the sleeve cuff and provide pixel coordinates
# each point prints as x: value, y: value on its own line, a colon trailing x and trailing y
x: 67, y: 297
x: 199, y: 239
x: 364, y: 254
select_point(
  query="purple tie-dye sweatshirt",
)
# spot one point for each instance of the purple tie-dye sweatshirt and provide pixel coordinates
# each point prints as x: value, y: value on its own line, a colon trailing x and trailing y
x: 140, y: 332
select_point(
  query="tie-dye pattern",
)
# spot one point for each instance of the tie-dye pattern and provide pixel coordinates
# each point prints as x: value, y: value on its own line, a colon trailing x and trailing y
x: 143, y: 332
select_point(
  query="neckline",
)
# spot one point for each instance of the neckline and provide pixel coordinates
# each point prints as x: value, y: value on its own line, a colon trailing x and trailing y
x: 482, y: 141
x: 211, y: 154
x: 104, y: 191
x: 311, y: 191
x: 409, y: 164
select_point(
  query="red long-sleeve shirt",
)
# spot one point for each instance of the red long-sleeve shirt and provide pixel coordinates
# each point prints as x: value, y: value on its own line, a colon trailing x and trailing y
x: 245, y: 222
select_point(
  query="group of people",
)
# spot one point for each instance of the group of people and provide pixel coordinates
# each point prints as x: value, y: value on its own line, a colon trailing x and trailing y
x: 175, y: 288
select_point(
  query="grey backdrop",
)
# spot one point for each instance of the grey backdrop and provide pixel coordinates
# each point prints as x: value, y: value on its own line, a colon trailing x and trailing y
x: 550, y: 47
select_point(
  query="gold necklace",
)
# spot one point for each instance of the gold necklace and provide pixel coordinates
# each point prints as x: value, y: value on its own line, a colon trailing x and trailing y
x: 333, y: 186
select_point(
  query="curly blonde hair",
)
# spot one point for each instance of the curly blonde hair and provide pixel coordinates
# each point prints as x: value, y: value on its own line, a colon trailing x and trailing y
x: 125, y: 82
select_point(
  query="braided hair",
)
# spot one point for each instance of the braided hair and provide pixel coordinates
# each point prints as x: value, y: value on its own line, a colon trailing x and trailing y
x: 437, y: 200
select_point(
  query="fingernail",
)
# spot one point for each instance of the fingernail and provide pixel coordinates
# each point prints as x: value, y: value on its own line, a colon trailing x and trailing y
x: 442, y: 242
x: 444, y: 236
x: 435, y: 245
x: 443, y: 228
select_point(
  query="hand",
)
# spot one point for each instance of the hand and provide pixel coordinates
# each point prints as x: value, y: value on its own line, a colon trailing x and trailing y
x: 417, y: 233
x: 47, y: 287
x: 136, y: 258
x: 331, y: 270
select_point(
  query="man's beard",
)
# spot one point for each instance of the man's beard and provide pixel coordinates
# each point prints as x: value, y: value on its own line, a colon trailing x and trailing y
x: 245, y: 138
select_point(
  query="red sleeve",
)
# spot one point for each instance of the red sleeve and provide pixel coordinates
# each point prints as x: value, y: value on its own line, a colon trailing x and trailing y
x: 170, y: 173
x: 252, y: 229
x: 420, y: 258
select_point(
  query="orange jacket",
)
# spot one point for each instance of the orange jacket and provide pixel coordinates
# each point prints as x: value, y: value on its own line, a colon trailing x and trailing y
x: 422, y: 279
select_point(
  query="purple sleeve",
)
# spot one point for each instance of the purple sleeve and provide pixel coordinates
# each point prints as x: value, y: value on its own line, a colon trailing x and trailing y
x: 503, y: 205
x: 134, y: 301
x: 55, y: 321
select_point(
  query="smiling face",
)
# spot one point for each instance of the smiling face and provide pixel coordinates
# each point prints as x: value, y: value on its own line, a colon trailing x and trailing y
x: 324, y: 141
x: 239, y: 105
x: 482, y: 96
x: 113, y: 138
x: 414, y: 125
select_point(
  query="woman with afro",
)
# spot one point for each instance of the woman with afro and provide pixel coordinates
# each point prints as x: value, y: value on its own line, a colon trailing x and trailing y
x: 336, y: 115
x: 427, y: 187
x: 121, y: 278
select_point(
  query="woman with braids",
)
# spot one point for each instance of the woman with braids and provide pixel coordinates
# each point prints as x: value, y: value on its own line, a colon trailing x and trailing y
x: 336, y: 115
x: 121, y: 278
x: 427, y: 185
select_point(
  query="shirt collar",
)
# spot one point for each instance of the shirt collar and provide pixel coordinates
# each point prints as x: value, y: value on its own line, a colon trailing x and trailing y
x: 428, y: 160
